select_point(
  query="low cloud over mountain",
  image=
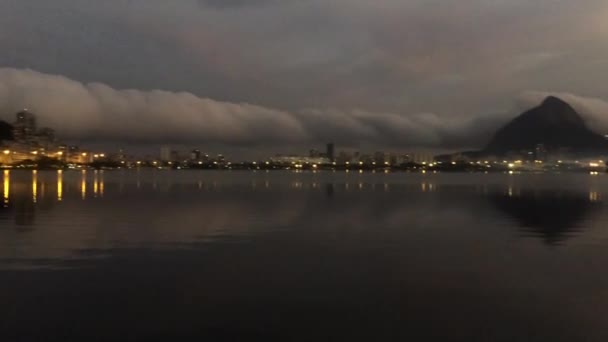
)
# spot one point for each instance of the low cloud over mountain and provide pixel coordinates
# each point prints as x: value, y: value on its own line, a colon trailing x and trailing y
x: 593, y: 110
x: 96, y: 111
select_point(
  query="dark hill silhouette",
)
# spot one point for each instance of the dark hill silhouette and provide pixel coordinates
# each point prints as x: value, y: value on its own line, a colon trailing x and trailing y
x: 554, y: 123
x: 6, y: 131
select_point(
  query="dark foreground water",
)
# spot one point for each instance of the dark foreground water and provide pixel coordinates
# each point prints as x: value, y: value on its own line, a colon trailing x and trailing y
x: 244, y: 256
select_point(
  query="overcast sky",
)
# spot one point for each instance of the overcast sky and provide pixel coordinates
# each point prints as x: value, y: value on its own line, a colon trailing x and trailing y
x: 399, y: 74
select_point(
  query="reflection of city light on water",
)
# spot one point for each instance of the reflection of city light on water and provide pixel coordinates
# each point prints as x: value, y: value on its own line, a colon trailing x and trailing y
x: 7, y: 186
x: 101, y: 185
x: 59, y: 185
x: 96, y: 184
x: 34, y: 186
x: 83, y: 185
x: 594, y: 196
x: 427, y: 187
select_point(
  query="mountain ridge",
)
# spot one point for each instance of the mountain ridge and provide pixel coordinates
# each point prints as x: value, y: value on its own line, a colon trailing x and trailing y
x: 555, y: 124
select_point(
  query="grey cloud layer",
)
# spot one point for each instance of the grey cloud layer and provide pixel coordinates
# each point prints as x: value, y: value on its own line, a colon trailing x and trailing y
x: 442, y: 56
x: 360, y: 57
x: 95, y: 110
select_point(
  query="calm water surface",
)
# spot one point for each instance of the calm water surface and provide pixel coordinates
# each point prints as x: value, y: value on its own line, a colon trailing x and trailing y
x: 256, y: 256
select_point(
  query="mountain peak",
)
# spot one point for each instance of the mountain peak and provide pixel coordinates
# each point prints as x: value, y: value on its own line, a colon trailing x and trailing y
x: 554, y: 124
x: 554, y: 101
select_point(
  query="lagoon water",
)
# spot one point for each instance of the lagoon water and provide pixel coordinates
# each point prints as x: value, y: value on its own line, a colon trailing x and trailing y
x: 282, y: 256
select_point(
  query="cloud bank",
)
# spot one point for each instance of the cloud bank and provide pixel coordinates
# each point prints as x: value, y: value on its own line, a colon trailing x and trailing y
x: 448, y: 57
x: 96, y: 111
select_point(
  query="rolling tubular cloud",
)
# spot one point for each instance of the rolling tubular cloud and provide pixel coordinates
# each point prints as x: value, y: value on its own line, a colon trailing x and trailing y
x: 95, y: 111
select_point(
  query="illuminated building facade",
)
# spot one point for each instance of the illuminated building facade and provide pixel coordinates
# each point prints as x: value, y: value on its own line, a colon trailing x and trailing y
x: 24, y: 130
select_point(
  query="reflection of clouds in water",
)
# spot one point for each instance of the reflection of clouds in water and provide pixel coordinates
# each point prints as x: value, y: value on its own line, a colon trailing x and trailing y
x: 167, y: 209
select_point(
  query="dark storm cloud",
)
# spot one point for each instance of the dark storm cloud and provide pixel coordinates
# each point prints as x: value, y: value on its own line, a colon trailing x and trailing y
x: 376, y: 64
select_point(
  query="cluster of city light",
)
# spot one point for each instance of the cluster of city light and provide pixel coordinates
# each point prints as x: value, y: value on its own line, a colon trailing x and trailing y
x: 18, y: 155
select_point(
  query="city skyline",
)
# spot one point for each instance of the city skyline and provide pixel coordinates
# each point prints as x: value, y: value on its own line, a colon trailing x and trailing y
x: 546, y: 138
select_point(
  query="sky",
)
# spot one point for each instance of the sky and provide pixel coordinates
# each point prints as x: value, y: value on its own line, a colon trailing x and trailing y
x: 289, y: 75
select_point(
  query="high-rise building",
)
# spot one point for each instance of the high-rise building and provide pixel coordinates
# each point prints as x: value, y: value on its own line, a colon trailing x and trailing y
x: 165, y: 153
x: 331, y: 152
x: 195, y: 155
x: 379, y: 157
x: 24, y: 129
x: 422, y: 157
x: 46, y: 138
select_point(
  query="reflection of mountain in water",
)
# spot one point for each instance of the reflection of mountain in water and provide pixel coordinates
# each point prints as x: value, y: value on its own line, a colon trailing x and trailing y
x: 552, y: 216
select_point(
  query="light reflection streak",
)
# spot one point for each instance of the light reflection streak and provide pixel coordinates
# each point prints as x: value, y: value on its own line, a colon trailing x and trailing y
x: 59, y: 185
x: 34, y: 186
x: 594, y: 196
x: 7, y: 187
x: 101, y: 184
x: 96, y: 184
x: 83, y: 185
